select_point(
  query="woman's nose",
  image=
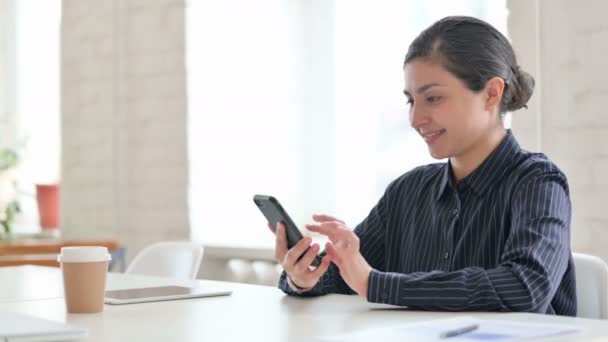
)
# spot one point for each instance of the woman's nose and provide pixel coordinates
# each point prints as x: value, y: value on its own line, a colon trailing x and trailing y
x: 417, y: 117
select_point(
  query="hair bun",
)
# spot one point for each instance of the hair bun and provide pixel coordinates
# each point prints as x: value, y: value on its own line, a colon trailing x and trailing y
x: 520, y: 90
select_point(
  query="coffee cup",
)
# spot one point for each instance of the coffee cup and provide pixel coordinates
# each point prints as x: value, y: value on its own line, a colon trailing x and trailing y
x: 84, y: 277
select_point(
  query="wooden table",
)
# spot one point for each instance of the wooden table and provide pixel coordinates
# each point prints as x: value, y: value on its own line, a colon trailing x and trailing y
x: 43, y: 252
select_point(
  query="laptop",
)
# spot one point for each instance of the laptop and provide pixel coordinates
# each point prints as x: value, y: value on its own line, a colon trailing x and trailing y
x: 16, y: 327
x: 162, y: 293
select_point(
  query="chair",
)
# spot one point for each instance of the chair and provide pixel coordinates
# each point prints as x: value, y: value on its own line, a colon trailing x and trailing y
x: 173, y: 259
x: 591, y: 286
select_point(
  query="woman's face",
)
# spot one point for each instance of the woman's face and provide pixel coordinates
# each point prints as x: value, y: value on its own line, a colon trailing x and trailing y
x: 449, y: 116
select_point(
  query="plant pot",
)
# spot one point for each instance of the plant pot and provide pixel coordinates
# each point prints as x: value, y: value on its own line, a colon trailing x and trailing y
x: 47, y: 196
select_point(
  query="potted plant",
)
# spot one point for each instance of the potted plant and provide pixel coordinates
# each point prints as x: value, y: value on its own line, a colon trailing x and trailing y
x: 9, y: 206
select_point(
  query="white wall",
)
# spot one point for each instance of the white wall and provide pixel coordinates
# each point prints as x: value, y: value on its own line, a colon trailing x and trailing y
x: 124, y: 150
x: 564, y: 44
x: 8, y: 122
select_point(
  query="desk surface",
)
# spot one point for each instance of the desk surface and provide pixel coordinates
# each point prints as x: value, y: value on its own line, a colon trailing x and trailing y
x: 252, y: 312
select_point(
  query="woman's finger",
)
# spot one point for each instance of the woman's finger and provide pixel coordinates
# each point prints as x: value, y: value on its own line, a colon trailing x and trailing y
x: 334, y: 254
x: 294, y: 253
x: 330, y: 230
x: 307, y: 259
x: 325, y: 218
x: 319, y: 271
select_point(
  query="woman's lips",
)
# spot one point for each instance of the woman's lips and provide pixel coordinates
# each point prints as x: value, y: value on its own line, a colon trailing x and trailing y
x: 431, y: 137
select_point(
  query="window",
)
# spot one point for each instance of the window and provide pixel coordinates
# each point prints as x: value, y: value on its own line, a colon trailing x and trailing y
x: 38, y: 86
x: 30, y: 101
x: 7, y: 72
x: 301, y: 100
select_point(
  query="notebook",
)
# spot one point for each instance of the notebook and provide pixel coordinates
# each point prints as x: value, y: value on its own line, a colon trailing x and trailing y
x: 16, y: 327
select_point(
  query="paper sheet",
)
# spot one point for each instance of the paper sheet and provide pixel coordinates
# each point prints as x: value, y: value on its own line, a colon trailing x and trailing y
x: 489, y: 330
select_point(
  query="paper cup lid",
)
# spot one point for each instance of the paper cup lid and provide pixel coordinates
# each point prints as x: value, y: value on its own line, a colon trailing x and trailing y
x: 84, y: 254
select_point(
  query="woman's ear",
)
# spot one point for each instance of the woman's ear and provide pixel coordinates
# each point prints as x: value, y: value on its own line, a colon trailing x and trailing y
x: 494, y: 90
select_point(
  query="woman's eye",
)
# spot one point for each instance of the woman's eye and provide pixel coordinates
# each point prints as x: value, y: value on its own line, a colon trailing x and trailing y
x: 410, y: 102
x: 433, y: 99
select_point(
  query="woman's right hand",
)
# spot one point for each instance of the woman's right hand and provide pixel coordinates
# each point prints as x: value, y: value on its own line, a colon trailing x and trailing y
x: 299, y: 271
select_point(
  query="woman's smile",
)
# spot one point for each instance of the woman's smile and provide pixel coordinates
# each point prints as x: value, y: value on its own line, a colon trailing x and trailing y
x: 432, y: 136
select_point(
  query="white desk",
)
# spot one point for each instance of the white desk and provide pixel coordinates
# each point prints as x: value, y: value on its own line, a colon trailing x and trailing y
x: 252, y: 313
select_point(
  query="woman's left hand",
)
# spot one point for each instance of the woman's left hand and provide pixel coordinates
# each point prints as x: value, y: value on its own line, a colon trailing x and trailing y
x: 343, y: 248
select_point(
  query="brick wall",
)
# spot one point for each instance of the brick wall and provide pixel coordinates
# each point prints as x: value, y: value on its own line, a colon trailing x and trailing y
x: 564, y: 44
x: 124, y: 152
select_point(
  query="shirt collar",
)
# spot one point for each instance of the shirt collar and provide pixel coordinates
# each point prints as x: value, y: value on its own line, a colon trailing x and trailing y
x: 494, y: 167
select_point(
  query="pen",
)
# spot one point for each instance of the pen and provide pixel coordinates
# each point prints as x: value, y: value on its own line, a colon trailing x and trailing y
x: 459, y: 331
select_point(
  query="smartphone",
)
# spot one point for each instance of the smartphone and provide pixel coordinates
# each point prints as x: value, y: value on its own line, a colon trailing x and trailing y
x: 274, y: 213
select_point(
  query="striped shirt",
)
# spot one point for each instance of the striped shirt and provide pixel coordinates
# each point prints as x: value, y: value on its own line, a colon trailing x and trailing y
x: 498, y: 240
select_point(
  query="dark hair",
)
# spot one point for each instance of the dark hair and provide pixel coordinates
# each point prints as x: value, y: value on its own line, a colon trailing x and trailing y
x: 475, y: 52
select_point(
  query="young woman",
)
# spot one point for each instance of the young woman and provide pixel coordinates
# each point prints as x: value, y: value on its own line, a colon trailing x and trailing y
x: 489, y: 230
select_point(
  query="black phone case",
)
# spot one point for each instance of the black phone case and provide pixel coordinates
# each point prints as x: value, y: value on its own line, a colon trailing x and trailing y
x: 274, y: 213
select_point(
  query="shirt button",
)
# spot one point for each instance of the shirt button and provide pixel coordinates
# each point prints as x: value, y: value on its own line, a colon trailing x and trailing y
x: 455, y: 212
x: 446, y: 255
